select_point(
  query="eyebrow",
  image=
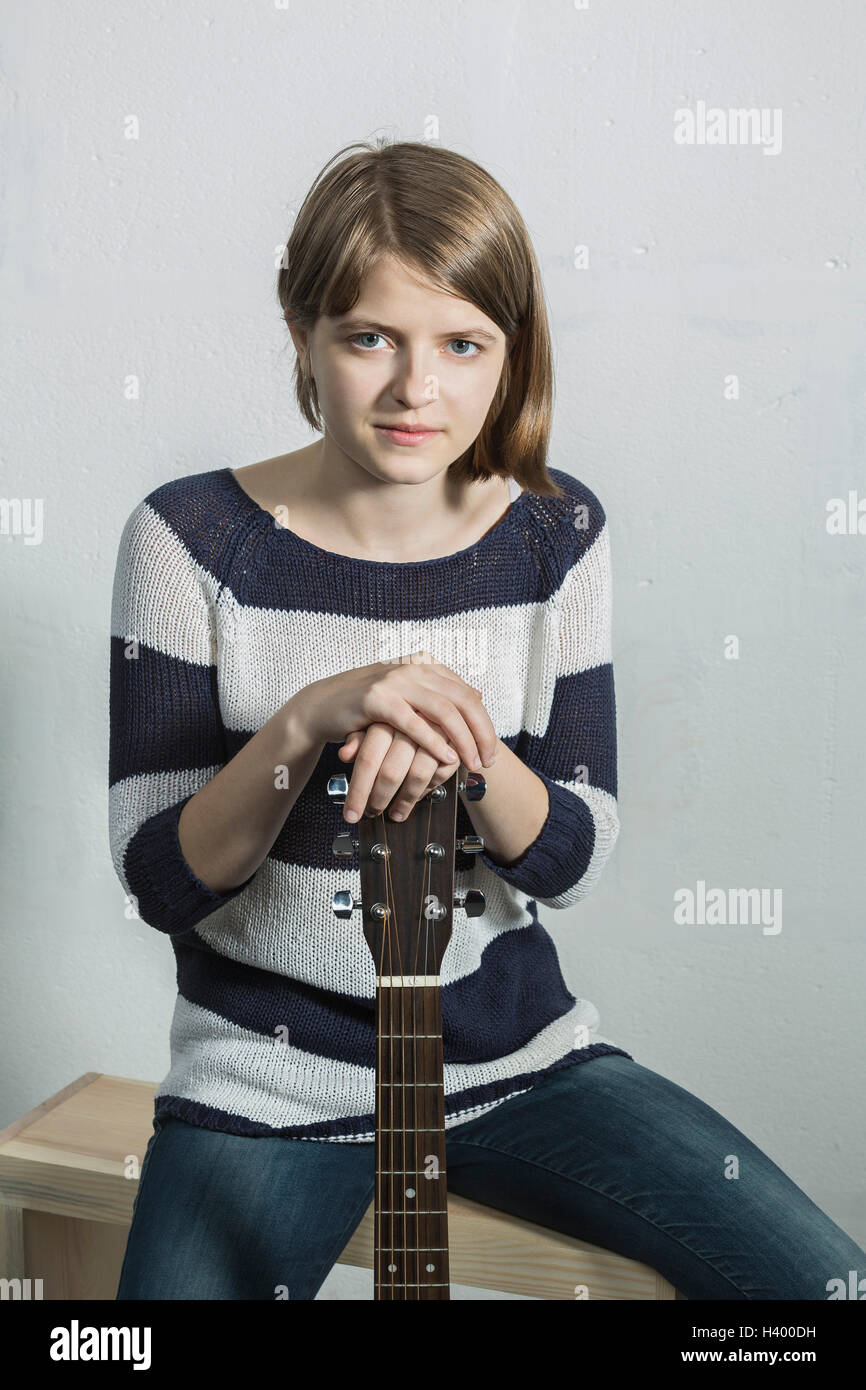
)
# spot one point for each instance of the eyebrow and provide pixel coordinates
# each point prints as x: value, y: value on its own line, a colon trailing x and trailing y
x: 357, y: 323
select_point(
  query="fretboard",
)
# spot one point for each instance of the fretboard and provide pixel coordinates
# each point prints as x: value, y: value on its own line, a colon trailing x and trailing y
x: 411, y: 1216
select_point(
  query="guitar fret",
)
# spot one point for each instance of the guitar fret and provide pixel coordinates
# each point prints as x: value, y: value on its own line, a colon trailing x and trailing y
x: 409, y: 1079
x: 413, y: 1284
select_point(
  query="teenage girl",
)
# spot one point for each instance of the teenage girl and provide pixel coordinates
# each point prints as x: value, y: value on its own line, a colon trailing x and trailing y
x: 412, y: 590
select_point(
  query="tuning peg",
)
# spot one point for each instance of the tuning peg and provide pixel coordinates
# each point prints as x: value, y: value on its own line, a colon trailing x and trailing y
x: 472, y: 902
x: 344, y: 904
x: 471, y: 844
x: 475, y: 786
x: 338, y: 788
x: 344, y: 845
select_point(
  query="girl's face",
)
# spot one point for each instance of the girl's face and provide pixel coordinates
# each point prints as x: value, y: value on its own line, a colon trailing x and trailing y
x: 405, y: 355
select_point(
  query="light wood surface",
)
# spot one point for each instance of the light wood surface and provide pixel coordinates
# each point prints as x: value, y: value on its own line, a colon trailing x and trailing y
x: 69, y: 1172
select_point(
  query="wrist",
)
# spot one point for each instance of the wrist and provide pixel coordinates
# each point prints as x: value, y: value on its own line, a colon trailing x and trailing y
x: 299, y: 728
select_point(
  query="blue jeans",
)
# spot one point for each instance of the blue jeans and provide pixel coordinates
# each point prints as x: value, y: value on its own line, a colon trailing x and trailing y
x: 603, y: 1150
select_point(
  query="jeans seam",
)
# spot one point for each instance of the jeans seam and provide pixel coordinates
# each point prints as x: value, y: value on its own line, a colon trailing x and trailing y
x: 535, y: 1163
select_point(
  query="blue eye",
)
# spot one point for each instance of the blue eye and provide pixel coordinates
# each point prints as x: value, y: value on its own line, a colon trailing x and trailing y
x: 469, y: 344
x: 466, y: 341
x: 364, y: 335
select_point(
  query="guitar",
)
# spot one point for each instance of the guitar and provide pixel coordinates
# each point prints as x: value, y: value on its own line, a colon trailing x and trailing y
x: 407, y: 896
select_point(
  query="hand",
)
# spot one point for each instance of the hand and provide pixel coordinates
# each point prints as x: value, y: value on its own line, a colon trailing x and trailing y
x: 417, y: 696
x: 388, y: 762
x: 385, y: 762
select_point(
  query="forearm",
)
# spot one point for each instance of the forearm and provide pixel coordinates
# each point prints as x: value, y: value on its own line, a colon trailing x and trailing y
x: 513, y: 810
x: 226, y: 830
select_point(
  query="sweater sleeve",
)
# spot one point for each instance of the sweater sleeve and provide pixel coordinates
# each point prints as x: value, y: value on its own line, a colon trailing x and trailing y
x: 166, y: 737
x: 576, y: 756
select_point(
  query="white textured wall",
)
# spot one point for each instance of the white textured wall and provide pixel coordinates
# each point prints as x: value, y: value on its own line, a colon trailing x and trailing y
x: 154, y: 257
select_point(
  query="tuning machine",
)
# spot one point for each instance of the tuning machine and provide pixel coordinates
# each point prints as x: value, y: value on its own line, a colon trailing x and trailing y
x: 338, y: 788
x: 472, y: 902
x: 474, y: 787
x: 344, y: 845
x: 344, y: 903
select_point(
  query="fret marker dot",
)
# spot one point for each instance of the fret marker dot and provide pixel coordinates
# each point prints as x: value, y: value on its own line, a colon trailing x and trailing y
x: 410, y: 1192
x: 430, y: 1268
x: 392, y: 1269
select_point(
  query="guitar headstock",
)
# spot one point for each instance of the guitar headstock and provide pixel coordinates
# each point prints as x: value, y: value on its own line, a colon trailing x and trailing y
x: 407, y: 878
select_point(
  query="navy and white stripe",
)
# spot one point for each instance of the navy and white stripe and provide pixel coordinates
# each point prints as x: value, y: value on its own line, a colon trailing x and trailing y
x: 219, y: 615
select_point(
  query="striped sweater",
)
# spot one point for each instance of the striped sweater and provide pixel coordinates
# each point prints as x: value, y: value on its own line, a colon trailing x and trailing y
x: 219, y: 615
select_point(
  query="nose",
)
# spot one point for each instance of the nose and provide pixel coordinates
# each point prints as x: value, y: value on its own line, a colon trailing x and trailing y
x: 414, y: 383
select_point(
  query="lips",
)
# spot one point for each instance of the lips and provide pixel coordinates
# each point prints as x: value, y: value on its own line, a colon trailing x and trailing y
x: 404, y: 438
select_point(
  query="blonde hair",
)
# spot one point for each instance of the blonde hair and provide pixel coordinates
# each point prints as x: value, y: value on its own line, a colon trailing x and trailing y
x: 446, y: 219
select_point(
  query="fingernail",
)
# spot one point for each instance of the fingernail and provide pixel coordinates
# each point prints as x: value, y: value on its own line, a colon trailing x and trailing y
x: 351, y: 815
x: 451, y: 756
x: 397, y: 815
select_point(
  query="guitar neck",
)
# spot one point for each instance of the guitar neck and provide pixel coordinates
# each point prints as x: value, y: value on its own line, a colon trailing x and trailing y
x: 411, y: 1214
x: 407, y: 896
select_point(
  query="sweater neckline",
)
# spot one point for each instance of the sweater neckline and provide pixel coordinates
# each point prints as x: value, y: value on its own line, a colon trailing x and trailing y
x: 497, y: 533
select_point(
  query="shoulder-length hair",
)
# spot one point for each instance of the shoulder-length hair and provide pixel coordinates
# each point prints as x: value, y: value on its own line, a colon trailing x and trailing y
x: 447, y: 220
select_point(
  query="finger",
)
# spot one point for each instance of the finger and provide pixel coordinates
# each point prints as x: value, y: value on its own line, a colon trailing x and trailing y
x: 469, y: 727
x: 444, y: 770
x: 392, y: 772
x: 418, y: 781
x: 405, y: 704
x: 378, y: 738
x: 479, y: 724
x: 351, y: 744
x: 427, y: 772
x: 450, y: 710
x: 390, y: 707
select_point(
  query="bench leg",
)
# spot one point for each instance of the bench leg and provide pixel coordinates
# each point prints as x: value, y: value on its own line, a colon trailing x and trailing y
x: 12, y: 1243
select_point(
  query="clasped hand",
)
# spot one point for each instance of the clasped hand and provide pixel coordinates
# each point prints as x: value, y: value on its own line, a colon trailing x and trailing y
x: 411, y: 720
x: 390, y: 770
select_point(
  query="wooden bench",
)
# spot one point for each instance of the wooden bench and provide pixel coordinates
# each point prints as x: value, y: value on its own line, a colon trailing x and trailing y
x: 66, y: 1208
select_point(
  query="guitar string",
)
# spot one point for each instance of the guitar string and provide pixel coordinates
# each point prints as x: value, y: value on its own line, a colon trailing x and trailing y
x: 406, y: 1128
x: 392, y: 935
x: 383, y: 995
x: 391, y: 919
x: 420, y: 1101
